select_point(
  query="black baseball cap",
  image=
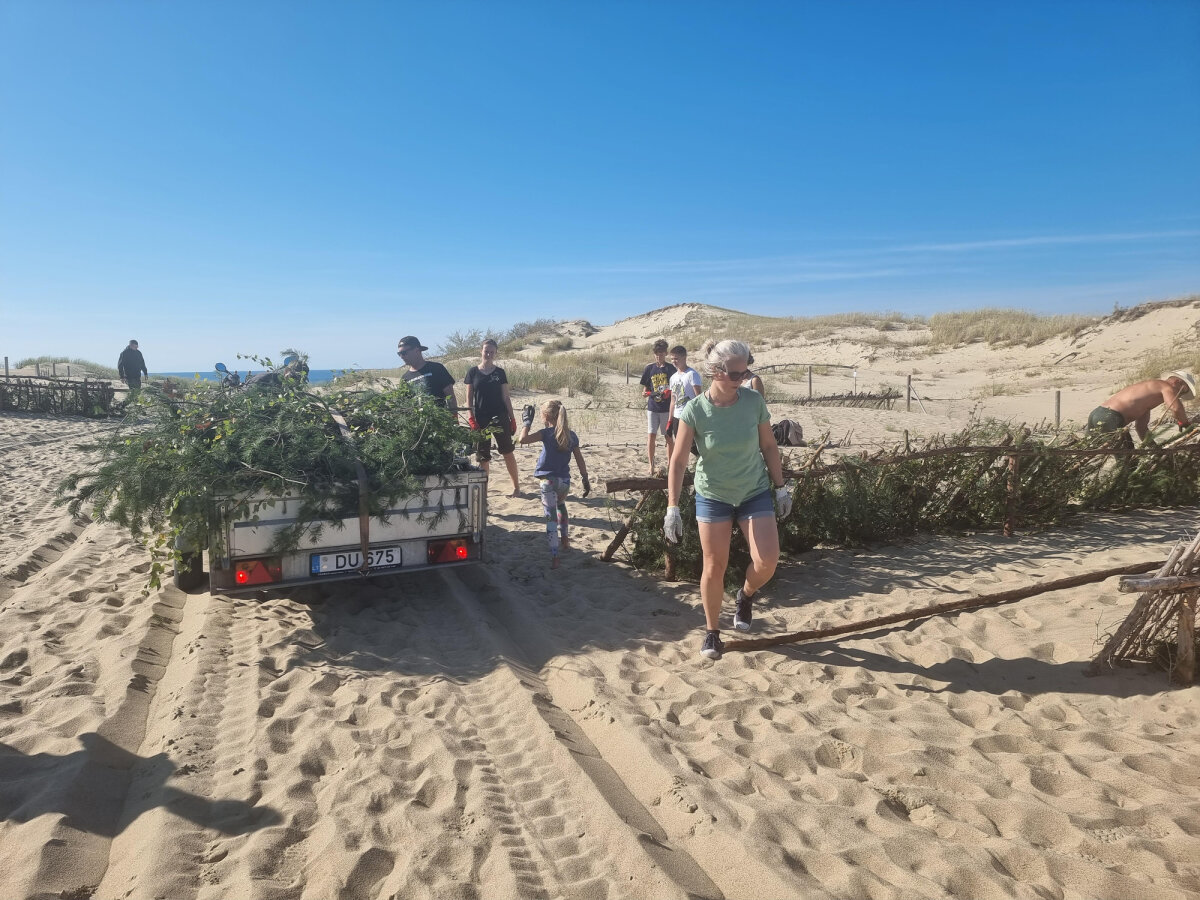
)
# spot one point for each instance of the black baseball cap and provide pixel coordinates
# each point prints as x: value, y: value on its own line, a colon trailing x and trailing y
x: 408, y: 342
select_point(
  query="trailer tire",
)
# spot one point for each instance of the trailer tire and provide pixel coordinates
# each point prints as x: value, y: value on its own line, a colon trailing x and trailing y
x: 189, y: 571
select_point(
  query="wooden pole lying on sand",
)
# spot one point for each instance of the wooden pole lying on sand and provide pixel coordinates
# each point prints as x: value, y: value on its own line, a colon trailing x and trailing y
x: 942, y: 609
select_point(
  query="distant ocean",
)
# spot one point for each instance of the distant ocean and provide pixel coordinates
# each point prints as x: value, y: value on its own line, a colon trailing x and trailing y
x: 315, y: 376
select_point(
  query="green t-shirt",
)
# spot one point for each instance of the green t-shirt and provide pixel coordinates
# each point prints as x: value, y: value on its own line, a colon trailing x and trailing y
x: 731, y: 467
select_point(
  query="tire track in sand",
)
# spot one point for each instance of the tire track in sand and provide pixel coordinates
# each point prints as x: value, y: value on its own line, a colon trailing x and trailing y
x: 638, y: 831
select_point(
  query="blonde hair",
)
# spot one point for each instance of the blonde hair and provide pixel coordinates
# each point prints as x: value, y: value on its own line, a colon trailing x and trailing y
x: 557, y: 414
x: 715, y: 356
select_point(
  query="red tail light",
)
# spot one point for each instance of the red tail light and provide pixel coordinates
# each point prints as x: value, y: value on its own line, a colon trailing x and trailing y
x: 266, y: 570
x: 453, y: 550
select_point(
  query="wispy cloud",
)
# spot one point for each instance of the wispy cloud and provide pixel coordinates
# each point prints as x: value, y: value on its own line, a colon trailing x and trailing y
x: 850, y: 263
x: 1045, y: 240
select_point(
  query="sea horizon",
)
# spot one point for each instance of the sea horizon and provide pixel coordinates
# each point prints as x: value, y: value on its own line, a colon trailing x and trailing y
x: 315, y: 376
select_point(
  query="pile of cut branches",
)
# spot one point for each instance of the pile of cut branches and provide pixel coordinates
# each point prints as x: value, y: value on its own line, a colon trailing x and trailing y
x: 951, y: 484
x: 181, y: 448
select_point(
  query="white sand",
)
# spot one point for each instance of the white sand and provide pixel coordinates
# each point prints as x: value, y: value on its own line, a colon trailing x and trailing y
x: 507, y: 731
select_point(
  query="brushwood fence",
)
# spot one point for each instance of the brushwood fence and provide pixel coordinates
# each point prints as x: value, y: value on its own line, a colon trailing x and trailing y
x: 61, y: 396
x: 949, y: 485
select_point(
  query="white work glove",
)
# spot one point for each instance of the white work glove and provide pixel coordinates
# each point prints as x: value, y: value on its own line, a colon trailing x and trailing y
x: 673, y: 525
x: 783, y: 502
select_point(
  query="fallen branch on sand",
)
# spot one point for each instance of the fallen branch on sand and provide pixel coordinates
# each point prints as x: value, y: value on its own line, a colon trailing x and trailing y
x: 942, y: 609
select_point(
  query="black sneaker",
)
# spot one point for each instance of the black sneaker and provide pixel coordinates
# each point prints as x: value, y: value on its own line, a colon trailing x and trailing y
x: 712, y: 648
x: 744, y: 615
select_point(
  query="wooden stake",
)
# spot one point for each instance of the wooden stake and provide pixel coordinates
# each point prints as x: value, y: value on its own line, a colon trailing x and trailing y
x: 1012, y: 500
x: 1185, y: 669
x: 619, y: 538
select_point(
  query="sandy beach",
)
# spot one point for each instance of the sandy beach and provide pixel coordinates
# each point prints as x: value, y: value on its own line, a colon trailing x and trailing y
x: 508, y: 731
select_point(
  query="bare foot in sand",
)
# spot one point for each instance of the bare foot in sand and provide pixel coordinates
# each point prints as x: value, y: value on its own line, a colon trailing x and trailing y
x: 515, y: 494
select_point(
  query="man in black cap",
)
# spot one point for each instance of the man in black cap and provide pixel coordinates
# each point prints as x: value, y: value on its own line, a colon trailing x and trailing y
x: 426, y: 375
x: 131, y: 366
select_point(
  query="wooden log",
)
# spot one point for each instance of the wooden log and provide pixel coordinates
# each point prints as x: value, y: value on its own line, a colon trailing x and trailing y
x: 1134, y: 584
x: 643, y: 484
x: 1185, y: 668
x: 942, y: 609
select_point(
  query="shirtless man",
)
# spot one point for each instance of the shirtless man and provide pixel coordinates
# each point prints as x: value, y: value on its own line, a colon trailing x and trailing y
x: 1134, y: 403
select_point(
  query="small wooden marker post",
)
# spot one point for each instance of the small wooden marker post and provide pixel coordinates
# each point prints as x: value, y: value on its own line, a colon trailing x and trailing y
x: 1013, y: 495
x: 810, y: 382
x: 1057, y: 408
x: 908, y: 394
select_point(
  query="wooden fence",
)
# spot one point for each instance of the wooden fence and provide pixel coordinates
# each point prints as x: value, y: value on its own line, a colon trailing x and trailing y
x: 1006, y: 485
x: 62, y: 396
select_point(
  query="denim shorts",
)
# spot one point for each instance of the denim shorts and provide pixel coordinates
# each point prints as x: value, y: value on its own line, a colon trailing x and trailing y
x: 757, y: 507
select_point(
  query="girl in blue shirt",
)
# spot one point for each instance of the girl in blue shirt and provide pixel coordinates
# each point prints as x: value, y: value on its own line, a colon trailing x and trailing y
x: 559, y: 444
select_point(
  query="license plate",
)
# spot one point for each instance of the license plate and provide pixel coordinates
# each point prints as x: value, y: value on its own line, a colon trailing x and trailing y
x: 351, y: 560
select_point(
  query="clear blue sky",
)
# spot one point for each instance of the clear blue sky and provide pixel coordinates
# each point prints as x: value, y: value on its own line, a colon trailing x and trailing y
x: 221, y: 177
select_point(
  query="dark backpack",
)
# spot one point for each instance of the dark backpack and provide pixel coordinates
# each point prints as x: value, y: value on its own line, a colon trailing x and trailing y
x: 788, y: 433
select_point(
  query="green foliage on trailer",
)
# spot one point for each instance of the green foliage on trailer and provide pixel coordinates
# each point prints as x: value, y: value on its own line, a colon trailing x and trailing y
x: 184, y: 447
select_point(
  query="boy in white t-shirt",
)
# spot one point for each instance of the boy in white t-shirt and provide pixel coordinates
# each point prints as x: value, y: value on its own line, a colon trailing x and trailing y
x: 685, y: 385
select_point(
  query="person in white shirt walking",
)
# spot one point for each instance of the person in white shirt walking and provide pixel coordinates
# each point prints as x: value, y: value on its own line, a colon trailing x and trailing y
x: 685, y: 385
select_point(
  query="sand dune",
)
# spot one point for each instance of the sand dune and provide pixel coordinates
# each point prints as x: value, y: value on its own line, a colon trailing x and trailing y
x: 508, y: 731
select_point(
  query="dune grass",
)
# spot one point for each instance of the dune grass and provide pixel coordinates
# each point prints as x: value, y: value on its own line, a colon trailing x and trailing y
x: 79, y: 367
x: 993, y: 325
x: 1155, y: 363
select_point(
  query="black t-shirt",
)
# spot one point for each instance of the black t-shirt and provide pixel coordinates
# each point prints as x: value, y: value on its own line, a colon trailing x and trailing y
x: 433, y: 379
x: 656, y: 379
x: 487, y: 394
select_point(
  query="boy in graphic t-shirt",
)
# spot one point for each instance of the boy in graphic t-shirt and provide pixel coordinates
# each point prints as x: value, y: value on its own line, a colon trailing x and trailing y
x: 656, y: 379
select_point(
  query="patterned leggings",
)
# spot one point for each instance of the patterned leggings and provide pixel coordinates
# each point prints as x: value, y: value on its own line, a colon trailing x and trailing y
x: 554, y: 505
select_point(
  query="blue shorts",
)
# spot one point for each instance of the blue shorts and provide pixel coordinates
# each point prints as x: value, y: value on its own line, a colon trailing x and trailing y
x: 756, y: 507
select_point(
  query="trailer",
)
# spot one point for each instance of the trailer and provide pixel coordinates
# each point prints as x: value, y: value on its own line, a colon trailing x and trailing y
x: 441, y: 525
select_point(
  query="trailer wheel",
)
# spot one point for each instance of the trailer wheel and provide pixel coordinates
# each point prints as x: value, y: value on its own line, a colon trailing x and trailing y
x: 189, y: 571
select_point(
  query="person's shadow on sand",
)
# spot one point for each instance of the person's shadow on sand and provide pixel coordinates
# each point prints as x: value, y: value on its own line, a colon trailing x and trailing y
x: 1027, y: 675
x: 97, y: 791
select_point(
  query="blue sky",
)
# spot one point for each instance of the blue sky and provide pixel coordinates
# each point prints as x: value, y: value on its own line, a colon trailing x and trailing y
x: 222, y: 177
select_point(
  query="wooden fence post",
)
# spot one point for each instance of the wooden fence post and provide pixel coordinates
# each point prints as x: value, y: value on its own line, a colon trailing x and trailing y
x: 1012, y: 498
x: 627, y: 371
x: 1185, y: 668
x: 53, y: 369
x: 810, y: 382
x: 6, y: 368
x: 1057, y: 408
x: 37, y: 368
x: 908, y: 394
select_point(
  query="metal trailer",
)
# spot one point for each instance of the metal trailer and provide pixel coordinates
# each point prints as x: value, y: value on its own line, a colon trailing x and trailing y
x: 442, y: 525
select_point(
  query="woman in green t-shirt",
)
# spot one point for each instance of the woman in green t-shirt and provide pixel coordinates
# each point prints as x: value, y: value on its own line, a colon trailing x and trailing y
x: 738, y: 467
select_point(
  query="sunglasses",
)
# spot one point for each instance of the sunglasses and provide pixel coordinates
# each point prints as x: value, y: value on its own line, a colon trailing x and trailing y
x: 401, y: 352
x: 738, y: 376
